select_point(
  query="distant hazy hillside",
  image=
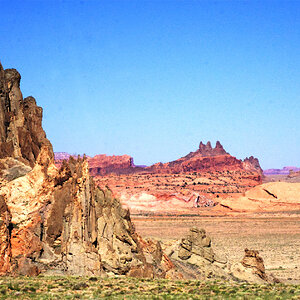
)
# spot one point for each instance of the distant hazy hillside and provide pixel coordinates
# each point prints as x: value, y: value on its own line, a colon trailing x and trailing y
x: 283, y: 171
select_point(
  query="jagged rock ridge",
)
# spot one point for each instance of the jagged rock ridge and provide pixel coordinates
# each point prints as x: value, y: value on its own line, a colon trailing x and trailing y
x: 55, y: 220
x: 205, y: 158
x: 21, y: 132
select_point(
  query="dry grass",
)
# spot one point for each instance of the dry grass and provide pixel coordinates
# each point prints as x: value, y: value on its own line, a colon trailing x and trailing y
x: 131, y: 288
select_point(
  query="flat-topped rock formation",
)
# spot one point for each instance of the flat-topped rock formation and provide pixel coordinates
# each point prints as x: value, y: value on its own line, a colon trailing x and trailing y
x: 102, y: 164
x: 283, y: 171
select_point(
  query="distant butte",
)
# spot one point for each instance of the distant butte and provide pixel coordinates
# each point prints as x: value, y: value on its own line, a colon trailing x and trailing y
x: 196, y: 180
x: 205, y: 158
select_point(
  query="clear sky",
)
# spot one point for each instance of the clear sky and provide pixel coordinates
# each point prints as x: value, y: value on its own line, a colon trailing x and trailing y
x: 153, y: 78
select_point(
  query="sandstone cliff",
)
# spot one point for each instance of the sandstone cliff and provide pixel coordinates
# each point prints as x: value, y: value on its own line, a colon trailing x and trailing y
x: 55, y: 220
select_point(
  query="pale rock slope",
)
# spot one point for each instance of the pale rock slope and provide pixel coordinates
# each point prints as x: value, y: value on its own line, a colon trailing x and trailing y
x: 272, y: 196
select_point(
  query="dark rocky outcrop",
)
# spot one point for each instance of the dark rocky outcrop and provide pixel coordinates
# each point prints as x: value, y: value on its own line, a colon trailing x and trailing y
x: 21, y: 132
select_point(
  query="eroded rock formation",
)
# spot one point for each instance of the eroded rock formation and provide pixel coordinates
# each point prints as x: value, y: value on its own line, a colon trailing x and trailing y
x: 21, y: 132
x: 252, y: 269
x: 205, y: 158
x: 55, y: 220
x: 196, y: 243
x: 194, y: 257
x: 252, y: 163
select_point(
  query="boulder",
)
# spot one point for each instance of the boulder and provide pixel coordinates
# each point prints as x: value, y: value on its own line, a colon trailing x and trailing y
x: 196, y: 243
x: 252, y: 269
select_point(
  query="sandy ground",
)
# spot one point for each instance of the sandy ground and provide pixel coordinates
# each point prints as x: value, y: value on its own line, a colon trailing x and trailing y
x: 276, y: 236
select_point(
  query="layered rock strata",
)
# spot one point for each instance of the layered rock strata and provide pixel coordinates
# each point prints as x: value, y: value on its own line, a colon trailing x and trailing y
x: 102, y: 164
x: 204, y: 159
x: 207, y: 158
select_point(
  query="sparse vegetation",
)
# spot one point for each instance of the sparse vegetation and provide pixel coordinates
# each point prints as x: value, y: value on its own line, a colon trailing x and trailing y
x: 66, y: 287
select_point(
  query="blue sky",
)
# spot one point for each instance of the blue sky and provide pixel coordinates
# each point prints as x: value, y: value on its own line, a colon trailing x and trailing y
x: 153, y: 78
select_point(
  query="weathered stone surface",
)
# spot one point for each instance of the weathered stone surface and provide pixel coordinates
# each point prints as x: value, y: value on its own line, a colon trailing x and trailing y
x: 21, y: 132
x: 194, y: 258
x: 5, y: 249
x: 255, y: 262
x: 61, y: 223
x: 252, y: 163
x: 252, y: 269
x: 196, y: 243
x: 54, y: 220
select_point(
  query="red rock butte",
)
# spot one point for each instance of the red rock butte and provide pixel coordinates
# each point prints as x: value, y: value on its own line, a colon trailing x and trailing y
x: 205, y: 158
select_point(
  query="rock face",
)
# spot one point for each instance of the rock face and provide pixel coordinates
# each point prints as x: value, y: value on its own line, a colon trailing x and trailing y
x: 61, y: 223
x: 255, y: 262
x: 102, y: 164
x: 204, y: 159
x: 5, y: 249
x: 251, y: 163
x: 21, y: 132
x: 207, y: 150
x: 194, y: 257
x: 55, y: 220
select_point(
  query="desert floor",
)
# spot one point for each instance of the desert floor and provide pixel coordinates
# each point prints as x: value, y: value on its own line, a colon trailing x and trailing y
x: 276, y: 236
